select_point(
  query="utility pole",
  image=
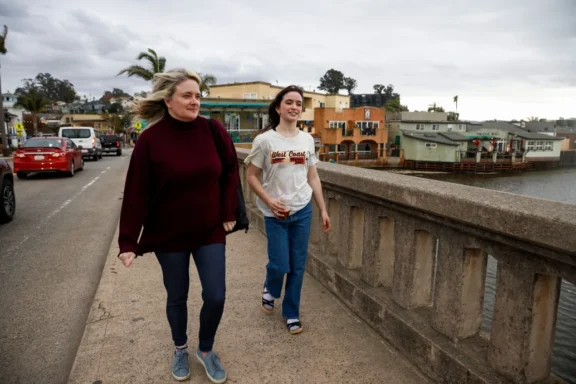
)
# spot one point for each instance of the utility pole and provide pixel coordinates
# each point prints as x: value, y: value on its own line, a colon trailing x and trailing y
x: 5, y: 145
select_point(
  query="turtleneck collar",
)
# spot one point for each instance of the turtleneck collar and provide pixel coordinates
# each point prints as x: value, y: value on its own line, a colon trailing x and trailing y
x: 178, y: 123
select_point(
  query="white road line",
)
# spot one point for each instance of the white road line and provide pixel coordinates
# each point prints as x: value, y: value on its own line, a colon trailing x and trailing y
x: 55, y: 212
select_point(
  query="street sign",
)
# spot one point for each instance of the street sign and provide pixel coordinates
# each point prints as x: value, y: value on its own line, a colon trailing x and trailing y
x: 19, y: 129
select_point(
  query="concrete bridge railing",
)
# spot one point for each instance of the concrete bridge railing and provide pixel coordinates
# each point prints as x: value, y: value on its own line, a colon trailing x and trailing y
x: 409, y: 256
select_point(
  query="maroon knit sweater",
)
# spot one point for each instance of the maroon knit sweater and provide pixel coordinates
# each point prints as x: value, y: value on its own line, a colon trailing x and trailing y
x: 177, y: 188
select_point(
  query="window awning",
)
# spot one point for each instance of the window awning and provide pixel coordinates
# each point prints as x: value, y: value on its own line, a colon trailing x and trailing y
x: 481, y: 137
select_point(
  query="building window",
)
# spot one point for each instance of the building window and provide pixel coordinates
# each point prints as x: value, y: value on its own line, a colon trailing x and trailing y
x: 250, y: 95
x: 419, y: 127
x: 548, y: 146
x: 435, y: 127
x: 367, y: 128
x: 431, y: 145
x: 540, y: 146
x: 530, y: 145
x: 337, y: 124
x: 462, y: 127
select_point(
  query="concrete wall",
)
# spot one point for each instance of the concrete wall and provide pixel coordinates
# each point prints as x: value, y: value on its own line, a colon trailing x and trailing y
x: 554, y: 154
x: 416, y: 150
x: 408, y: 255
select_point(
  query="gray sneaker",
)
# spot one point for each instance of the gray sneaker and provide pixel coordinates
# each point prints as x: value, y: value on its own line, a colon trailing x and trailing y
x: 213, y: 367
x: 180, y: 366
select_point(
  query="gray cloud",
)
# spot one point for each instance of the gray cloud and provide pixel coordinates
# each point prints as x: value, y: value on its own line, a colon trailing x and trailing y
x: 490, y: 51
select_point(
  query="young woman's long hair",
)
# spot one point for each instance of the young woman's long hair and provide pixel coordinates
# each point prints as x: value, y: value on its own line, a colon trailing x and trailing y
x: 152, y: 107
x: 273, y: 116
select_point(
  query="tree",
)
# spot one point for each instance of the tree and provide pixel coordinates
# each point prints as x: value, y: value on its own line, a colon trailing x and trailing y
x: 49, y: 88
x: 388, y: 94
x: 34, y: 103
x: 453, y: 116
x: 456, y: 102
x: 116, y: 108
x: 116, y: 92
x: 393, y: 105
x: 435, y: 108
x: 207, y: 81
x: 379, y: 88
x: 157, y: 65
x: 5, y: 147
x: 533, y: 118
x: 332, y: 81
x: 350, y: 84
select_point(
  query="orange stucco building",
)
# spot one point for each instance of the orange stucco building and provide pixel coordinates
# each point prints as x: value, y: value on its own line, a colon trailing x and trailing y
x: 351, y: 133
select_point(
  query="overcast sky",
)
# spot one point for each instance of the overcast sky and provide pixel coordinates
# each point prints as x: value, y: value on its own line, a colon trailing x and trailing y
x: 506, y: 59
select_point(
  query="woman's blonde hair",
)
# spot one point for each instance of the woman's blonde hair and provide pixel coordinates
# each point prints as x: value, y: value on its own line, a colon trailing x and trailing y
x: 152, y: 107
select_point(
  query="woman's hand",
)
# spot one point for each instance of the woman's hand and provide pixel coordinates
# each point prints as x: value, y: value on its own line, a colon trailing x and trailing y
x: 276, y: 207
x: 229, y: 225
x: 127, y: 258
x: 326, y: 225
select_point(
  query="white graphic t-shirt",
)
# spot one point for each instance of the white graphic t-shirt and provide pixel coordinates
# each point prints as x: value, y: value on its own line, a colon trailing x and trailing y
x: 284, y: 162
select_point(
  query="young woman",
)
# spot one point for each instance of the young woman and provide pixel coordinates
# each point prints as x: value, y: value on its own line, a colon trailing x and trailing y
x: 286, y: 157
x: 184, y: 195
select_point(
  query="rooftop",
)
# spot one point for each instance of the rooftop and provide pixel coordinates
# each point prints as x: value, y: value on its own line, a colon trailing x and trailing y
x: 430, y: 137
x: 271, y: 86
x: 454, y: 136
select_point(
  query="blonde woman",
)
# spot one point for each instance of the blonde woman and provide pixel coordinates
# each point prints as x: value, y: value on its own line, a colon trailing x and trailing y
x: 182, y: 191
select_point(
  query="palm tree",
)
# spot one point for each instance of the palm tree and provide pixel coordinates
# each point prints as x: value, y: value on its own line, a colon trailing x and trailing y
x: 207, y: 81
x: 158, y: 64
x: 456, y: 102
x: 34, y: 103
x: 5, y: 147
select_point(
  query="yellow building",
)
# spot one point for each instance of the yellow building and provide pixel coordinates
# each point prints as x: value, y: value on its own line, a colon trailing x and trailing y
x: 98, y: 122
x: 254, y: 97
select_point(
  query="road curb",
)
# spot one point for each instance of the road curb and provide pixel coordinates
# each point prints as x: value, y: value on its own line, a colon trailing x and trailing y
x: 87, y: 360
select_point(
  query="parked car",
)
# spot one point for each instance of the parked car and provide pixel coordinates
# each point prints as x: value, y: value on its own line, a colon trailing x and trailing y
x: 7, y: 196
x: 48, y: 154
x: 111, y: 144
x: 85, y: 138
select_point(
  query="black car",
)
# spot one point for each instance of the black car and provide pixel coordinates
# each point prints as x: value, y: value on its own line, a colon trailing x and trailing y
x: 7, y: 197
x: 111, y: 144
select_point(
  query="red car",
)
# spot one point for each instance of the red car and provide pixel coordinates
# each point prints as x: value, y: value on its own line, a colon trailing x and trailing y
x: 48, y: 154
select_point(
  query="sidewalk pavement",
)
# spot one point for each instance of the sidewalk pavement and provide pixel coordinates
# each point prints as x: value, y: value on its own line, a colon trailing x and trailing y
x: 127, y: 337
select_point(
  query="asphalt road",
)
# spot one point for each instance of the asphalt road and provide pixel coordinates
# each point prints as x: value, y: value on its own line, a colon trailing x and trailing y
x: 51, y: 260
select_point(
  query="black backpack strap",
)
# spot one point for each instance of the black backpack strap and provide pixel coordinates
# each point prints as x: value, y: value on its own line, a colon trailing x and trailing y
x: 217, y: 141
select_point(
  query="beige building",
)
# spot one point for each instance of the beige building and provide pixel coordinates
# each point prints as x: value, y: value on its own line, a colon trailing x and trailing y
x: 98, y: 122
x: 262, y: 93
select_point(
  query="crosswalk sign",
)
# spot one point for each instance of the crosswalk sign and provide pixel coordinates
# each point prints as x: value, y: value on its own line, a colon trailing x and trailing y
x: 19, y: 129
x: 138, y: 127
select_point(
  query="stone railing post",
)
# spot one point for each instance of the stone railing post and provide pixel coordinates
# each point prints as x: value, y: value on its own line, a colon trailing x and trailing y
x: 524, y: 321
x: 459, y: 293
x: 351, y: 236
x: 378, y: 257
x: 414, y: 264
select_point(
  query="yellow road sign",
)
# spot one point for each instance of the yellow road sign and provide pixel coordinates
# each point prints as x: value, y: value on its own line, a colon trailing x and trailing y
x: 19, y: 129
x: 138, y: 125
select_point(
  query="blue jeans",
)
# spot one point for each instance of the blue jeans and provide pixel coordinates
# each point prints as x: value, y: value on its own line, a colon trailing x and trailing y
x: 287, y: 252
x: 210, y: 262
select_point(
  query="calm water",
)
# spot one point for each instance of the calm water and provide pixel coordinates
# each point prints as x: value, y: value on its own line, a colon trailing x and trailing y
x: 558, y: 185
